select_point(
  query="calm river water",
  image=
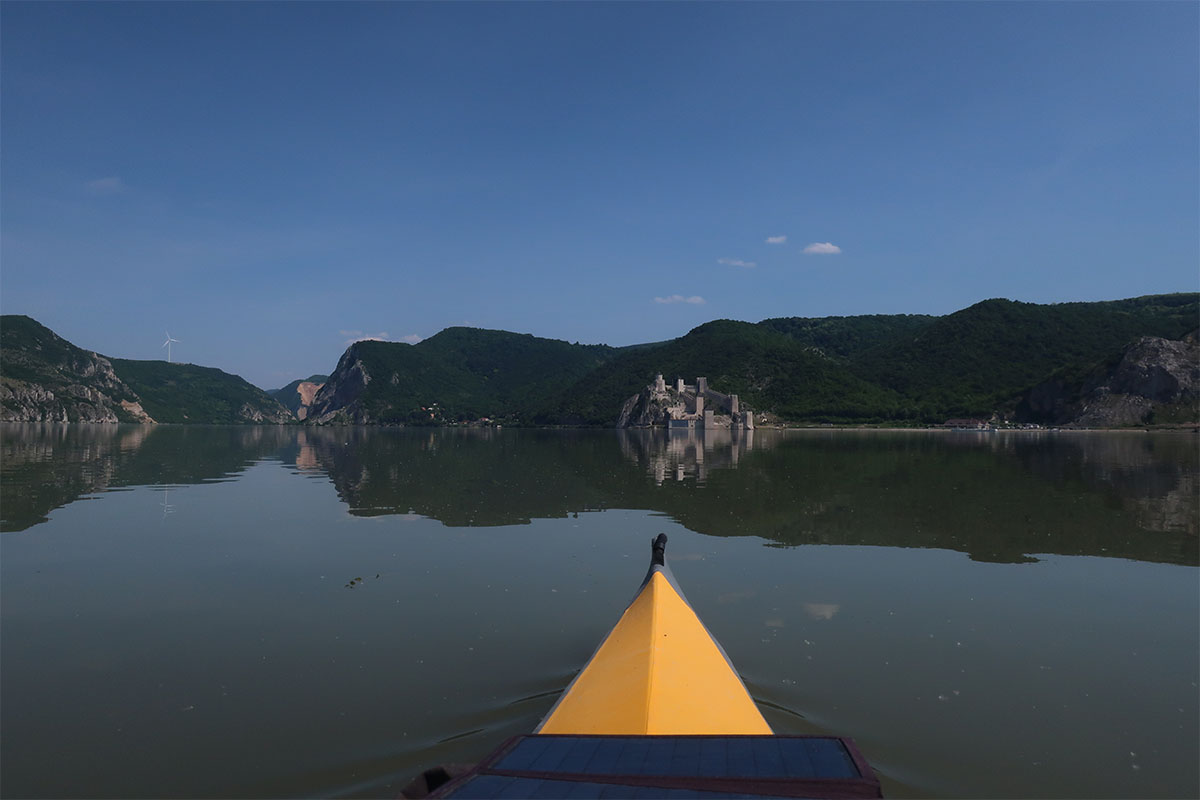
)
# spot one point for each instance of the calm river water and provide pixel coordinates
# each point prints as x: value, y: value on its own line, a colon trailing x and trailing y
x: 267, y: 612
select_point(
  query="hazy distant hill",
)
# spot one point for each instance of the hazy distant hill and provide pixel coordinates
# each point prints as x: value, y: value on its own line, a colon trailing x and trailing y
x: 188, y: 393
x: 298, y: 395
x: 459, y: 374
x: 45, y: 378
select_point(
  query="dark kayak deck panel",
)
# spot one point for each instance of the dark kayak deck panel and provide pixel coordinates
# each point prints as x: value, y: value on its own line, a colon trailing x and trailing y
x: 669, y: 766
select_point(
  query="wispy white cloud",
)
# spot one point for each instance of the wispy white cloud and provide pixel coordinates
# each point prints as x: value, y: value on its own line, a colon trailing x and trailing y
x: 103, y: 186
x: 678, y: 298
x: 776, y: 239
x: 360, y: 336
x: 736, y: 262
x: 822, y: 249
x: 412, y: 338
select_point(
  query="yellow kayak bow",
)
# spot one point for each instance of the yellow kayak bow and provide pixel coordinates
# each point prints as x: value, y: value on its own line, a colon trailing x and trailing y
x: 658, y: 711
x: 659, y: 671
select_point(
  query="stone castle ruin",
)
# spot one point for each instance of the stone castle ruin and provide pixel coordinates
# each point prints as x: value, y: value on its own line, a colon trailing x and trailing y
x: 684, y: 406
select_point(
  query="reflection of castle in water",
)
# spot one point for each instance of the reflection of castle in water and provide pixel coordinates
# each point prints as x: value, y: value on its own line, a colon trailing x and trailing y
x: 681, y: 453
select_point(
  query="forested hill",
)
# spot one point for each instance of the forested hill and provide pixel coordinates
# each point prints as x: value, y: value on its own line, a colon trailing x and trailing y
x: 459, y: 374
x: 985, y: 357
x: 45, y: 378
x: 766, y: 369
x: 186, y: 393
x: 844, y: 339
x: 1016, y: 360
x: 875, y: 368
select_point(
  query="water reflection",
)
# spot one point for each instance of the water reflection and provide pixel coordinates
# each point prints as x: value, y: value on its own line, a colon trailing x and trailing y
x: 133, y: 660
x: 686, y: 453
x: 47, y: 466
x: 1003, y: 497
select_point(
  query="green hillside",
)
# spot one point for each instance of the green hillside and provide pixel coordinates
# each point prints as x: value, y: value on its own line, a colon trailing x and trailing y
x: 982, y: 360
x: 468, y: 372
x: 846, y: 338
x: 766, y: 369
x: 43, y: 377
x: 188, y: 393
x: 985, y: 357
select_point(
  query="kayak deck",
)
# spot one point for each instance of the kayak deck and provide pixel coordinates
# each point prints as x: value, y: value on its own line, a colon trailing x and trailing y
x: 669, y: 766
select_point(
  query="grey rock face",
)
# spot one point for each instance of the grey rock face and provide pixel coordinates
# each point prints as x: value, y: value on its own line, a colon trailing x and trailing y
x: 66, y: 398
x: 270, y: 416
x: 1154, y: 375
x: 645, y: 409
x: 338, y: 399
x: 1155, y: 380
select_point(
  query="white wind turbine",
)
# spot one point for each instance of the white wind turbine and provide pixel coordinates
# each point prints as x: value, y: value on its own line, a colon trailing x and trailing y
x: 167, y: 344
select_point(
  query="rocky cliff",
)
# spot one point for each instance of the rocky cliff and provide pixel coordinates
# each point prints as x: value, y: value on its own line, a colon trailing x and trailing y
x: 648, y: 408
x: 308, y: 392
x: 45, y: 378
x: 340, y: 398
x: 297, y: 397
x: 1154, y: 380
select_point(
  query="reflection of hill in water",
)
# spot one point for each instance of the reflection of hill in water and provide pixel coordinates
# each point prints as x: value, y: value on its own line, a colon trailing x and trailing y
x: 1157, y: 478
x: 990, y: 495
x: 967, y: 492
x: 995, y: 496
x: 45, y: 466
x: 462, y: 476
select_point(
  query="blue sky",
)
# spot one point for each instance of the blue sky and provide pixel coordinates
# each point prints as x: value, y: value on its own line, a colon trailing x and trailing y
x: 268, y: 181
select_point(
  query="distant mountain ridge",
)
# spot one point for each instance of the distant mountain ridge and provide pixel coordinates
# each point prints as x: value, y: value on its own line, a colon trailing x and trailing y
x: 978, y: 362
x: 997, y: 358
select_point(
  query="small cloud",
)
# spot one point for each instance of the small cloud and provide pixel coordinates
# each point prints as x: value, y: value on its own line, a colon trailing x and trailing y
x: 736, y: 262
x: 822, y: 249
x: 776, y: 239
x: 412, y: 338
x: 360, y: 336
x: 678, y: 298
x: 105, y: 186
